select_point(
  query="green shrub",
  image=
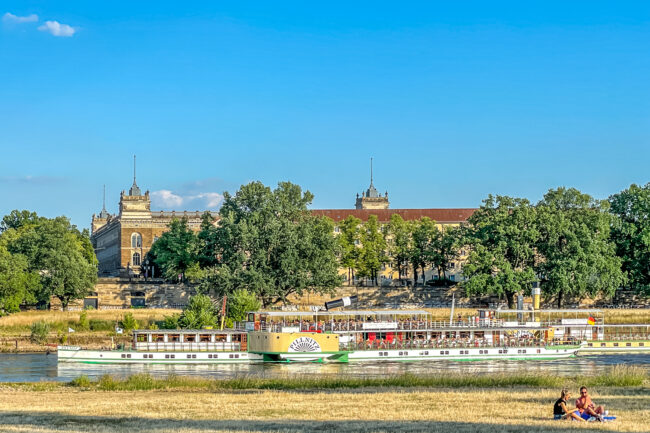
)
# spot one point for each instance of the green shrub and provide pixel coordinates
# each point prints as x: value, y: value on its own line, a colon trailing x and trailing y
x: 84, y: 324
x: 39, y: 332
x: 81, y: 382
x: 129, y: 323
x: 107, y: 383
x: 169, y: 322
x: 101, y: 325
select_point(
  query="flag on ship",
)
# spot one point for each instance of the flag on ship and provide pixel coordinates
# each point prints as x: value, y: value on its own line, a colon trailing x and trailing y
x: 591, y: 321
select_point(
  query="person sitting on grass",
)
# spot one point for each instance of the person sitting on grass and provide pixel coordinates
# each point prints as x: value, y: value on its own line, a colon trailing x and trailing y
x: 586, y: 406
x: 560, y: 409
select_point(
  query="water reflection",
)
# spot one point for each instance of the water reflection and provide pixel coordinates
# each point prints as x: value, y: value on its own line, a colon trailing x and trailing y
x: 40, y: 367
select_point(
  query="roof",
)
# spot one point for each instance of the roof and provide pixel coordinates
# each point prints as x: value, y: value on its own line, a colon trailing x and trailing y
x: 187, y: 331
x: 383, y: 215
x: 341, y: 313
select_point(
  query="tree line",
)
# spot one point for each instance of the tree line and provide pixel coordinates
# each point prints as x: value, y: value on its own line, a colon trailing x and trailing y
x: 41, y: 258
x: 268, y: 245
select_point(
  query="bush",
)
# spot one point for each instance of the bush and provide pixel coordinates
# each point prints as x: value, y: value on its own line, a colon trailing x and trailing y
x: 129, y: 323
x: 40, y: 330
x: 101, y: 325
x: 240, y: 302
x: 170, y: 322
x: 84, y: 324
x: 200, y: 313
x: 82, y: 381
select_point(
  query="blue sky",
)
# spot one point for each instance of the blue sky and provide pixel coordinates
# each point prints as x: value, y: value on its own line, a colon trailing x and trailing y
x: 454, y: 100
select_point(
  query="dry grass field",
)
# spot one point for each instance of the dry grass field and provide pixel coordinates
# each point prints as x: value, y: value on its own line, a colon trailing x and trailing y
x: 464, y: 410
x: 26, y: 318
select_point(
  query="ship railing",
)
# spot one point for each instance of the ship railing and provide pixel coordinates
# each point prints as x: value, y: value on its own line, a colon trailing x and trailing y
x: 188, y: 347
x: 445, y: 344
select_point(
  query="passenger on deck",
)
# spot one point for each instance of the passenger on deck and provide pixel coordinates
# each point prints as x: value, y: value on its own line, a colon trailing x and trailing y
x: 560, y: 409
x: 586, y: 406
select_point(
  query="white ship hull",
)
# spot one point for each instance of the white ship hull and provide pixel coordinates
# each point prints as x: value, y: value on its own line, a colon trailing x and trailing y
x: 76, y: 354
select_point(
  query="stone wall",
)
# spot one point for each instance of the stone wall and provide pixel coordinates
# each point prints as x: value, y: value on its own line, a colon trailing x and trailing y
x: 115, y: 293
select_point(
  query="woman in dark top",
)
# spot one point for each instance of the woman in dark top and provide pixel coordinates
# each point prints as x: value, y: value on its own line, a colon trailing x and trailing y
x: 560, y: 409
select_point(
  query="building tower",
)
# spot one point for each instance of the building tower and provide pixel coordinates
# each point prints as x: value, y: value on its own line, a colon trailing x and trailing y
x: 135, y: 205
x: 371, y: 199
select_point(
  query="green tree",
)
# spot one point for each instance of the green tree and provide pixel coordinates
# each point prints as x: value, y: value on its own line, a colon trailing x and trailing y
x: 373, y: 250
x: 207, y: 244
x: 631, y: 234
x: 62, y: 256
x: 17, y: 219
x: 239, y: 303
x: 17, y: 283
x: 398, y: 239
x: 444, y: 249
x: 199, y: 313
x: 502, y: 235
x: 175, y: 252
x: 349, y: 239
x: 423, y: 231
x: 268, y: 243
x: 577, y: 256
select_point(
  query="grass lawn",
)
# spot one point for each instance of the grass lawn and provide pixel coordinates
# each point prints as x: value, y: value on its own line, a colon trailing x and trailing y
x: 516, y: 409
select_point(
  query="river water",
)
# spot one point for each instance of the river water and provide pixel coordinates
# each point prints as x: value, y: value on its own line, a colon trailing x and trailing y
x: 41, y: 367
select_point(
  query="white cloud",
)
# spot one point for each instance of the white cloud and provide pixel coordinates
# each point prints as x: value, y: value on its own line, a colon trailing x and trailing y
x: 9, y: 17
x: 57, y: 29
x: 166, y: 198
x: 199, y: 201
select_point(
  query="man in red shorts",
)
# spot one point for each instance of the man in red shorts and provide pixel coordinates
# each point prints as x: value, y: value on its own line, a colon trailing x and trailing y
x: 586, y: 406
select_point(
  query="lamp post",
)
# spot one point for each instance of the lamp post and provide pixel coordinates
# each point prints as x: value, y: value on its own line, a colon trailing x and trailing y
x: 146, y: 269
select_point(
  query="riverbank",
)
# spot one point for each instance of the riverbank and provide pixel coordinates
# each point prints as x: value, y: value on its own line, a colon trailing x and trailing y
x: 517, y: 409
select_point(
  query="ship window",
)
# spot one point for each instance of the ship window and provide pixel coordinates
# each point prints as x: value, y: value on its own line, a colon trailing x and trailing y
x: 539, y: 350
x: 189, y: 338
x: 167, y: 356
x: 603, y: 344
x: 628, y: 344
x: 136, y: 240
x: 123, y: 356
x: 193, y: 356
x: 189, y: 356
x: 173, y: 338
x: 128, y: 355
x: 426, y: 352
x: 641, y: 344
x: 158, y: 338
x: 219, y: 338
x: 173, y: 356
x: 204, y: 338
x: 615, y: 344
x: 141, y: 338
x: 209, y: 356
x: 136, y: 259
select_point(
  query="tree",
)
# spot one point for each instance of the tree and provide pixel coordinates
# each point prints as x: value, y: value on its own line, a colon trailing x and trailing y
x: 577, y: 256
x: 17, y: 283
x: 631, y: 234
x: 175, y: 252
x: 444, y: 249
x: 199, y: 313
x: 502, y: 235
x: 373, y: 249
x: 239, y: 303
x: 207, y: 242
x: 423, y: 232
x: 17, y: 219
x: 268, y: 243
x: 62, y: 256
x: 398, y: 239
x: 349, y: 239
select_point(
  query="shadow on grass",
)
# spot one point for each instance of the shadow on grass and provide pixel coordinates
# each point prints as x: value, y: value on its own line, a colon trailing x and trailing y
x: 75, y: 423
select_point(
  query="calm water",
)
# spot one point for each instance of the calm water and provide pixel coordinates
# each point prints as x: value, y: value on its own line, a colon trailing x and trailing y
x: 40, y: 367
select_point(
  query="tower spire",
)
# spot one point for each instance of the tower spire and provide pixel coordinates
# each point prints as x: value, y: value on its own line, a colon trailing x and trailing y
x: 371, y: 171
x: 134, y: 188
x: 104, y: 213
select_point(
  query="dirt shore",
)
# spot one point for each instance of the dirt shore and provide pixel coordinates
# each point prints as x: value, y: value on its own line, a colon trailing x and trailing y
x: 466, y: 410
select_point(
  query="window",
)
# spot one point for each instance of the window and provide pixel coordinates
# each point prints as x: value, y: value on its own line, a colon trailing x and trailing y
x: 452, y: 277
x: 136, y: 240
x: 136, y: 259
x: 204, y: 338
x: 337, y: 229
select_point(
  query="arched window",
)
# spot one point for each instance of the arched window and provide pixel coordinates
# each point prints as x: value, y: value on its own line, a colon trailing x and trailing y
x: 136, y: 259
x: 136, y: 240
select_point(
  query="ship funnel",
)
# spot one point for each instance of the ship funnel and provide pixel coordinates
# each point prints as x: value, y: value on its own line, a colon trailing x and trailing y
x: 537, y: 295
x: 343, y: 302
